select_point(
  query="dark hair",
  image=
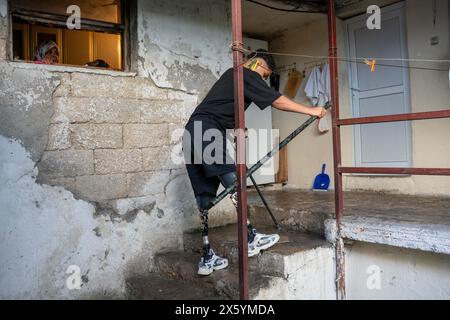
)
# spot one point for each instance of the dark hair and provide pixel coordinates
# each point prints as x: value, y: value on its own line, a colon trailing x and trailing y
x: 98, y: 64
x: 263, y: 54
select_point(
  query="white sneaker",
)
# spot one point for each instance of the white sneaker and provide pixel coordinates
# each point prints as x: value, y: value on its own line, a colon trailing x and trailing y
x: 262, y: 242
x: 205, y: 268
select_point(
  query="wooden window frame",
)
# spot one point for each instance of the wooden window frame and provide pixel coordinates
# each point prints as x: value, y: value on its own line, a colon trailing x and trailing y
x: 126, y: 28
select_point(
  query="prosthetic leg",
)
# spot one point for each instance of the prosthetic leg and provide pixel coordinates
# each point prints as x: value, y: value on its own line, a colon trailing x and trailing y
x: 209, y: 261
x: 256, y: 241
x: 228, y: 180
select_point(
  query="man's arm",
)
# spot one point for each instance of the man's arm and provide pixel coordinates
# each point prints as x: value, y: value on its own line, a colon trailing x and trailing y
x: 285, y: 104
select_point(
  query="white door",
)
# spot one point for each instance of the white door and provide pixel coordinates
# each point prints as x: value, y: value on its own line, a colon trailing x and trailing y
x: 383, y: 92
x: 260, y: 121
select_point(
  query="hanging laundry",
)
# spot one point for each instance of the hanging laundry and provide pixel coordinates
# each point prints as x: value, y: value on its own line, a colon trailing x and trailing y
x: 293, y: 84
x: 313, y: 86
x: 318, y: 86
x: 318, y: 90
x: 326, y: 85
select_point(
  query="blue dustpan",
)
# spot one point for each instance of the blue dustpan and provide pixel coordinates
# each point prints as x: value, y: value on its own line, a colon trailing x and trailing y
x: 322, y: 181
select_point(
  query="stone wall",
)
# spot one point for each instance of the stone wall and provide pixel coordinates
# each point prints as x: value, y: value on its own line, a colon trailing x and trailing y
x: 109, y: 136
x: 85, y: 167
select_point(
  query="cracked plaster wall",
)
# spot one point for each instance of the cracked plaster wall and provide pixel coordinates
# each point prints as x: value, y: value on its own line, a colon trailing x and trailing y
x: 184, y: 45
x: 86, y: 172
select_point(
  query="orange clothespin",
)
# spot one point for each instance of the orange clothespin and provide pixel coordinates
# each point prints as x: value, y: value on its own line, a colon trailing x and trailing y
x: 371, y: 64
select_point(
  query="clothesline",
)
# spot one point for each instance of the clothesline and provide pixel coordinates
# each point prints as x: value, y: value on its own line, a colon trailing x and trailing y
x: 363, y: 60
x: 339, y: 58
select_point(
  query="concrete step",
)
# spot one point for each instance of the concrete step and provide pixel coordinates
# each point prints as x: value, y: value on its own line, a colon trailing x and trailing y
x: 156, y: 287
x: 300, y: 266
x: 272, y: 262
x: 305, y: 211
x: 182, y: 266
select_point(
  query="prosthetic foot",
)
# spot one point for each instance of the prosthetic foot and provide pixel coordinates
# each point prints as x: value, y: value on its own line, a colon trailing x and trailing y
x: 209, y: 262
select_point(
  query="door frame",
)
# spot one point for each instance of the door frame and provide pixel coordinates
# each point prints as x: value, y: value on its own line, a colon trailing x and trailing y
x: 394, y: 10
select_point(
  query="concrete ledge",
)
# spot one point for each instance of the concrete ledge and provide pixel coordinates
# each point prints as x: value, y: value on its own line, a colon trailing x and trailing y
x: 69, y: 69
x: 413, y: 222
x: 412, y: 235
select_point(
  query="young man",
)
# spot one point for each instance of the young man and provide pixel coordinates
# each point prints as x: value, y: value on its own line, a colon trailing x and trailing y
x: 216, y: 115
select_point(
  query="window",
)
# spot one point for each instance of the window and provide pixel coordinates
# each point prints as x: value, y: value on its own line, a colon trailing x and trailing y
x: 103, y: 37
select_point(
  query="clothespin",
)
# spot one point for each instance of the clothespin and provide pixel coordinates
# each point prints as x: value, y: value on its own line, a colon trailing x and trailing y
x: 371, y: 64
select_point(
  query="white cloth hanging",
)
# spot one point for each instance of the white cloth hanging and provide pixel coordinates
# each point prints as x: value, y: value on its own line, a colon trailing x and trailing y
x: 326, y: 86
x: 313, y: 86
x: 318, y: 90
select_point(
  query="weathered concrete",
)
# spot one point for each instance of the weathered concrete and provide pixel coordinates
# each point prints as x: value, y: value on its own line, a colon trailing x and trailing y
x: 155, y: 287
x: 299, y: 267
x: 26, y: 106
x: 45, y: 230
x: 183, y: 266
x: 173, y: 52
x: 398, y: 239
x: 399, y: 220
x: 108, y: 137
x: 67, y: 163
x: 293, y: 209
x: 385, y: 272
x: 5, y: 43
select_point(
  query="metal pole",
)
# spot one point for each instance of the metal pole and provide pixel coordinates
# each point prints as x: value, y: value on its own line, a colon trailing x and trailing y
x: 236, y: 14
x: 266, y: 158
x: 263, y: 199
x: 409, y: 171
x: 338, y: 194
x: 441, y: 114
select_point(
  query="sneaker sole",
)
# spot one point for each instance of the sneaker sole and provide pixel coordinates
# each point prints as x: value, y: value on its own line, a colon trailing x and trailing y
x: 265, y: 247
x: 205, y: 272
x: 209, y: 271
x: 223, y: 266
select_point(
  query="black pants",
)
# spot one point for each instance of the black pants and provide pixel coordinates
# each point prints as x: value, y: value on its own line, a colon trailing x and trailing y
x: 206, y: 177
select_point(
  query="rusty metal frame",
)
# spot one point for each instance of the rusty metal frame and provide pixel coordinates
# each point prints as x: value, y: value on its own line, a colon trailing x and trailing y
x: 339, y: 170
x: 337, y: 158
x: 396, y: 117
x: 239, y: 112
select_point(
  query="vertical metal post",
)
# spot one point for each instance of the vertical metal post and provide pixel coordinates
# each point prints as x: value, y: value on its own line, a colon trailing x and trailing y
x: 338, y: 194
x: 236, y: 13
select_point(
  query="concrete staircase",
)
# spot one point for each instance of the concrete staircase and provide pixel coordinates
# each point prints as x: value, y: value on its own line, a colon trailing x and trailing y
x: 300, y: 266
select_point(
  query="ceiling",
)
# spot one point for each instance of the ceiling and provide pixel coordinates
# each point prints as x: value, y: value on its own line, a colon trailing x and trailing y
x: 266, y: 24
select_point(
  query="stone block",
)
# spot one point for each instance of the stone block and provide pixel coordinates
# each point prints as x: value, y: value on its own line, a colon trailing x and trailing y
x: 102, y: 187
x: 67, y: 163
x: 117, y: 161
x: 160, y: 158
x: 163, y: 111
x: 145, y: 135
x: 59, y: 137
x: 96, y: 136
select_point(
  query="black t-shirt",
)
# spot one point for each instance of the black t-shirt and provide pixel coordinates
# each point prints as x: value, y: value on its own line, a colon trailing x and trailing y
x: 219, y: 103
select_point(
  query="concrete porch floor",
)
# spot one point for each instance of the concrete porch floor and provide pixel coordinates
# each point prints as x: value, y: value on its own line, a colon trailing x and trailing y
x: 415, y: 222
